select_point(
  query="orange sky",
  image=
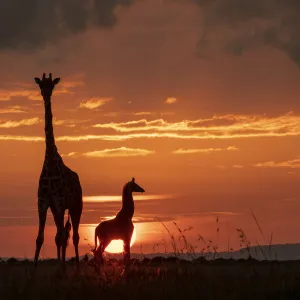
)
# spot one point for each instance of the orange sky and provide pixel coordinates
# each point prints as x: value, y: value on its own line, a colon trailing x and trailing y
x: 218, y: 132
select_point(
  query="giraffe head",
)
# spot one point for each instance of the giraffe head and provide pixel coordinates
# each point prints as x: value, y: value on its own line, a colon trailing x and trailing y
x: 135, y: 187
x: 46, y: 85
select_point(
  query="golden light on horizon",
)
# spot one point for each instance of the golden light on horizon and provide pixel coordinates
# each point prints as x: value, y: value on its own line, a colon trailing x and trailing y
x: 116, y: 246
x: 113, y: 198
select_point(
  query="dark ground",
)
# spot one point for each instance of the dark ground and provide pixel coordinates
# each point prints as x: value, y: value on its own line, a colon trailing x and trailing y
x: 156, y: 279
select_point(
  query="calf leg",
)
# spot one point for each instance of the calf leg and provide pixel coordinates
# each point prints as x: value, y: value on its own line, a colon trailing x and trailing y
x: 126, y: 254
x: 99, y: 252
x: 126, y: 242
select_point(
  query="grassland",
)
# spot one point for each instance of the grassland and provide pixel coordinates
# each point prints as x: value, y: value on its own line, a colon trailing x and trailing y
x: 157, y: 278
x: 207, y: 276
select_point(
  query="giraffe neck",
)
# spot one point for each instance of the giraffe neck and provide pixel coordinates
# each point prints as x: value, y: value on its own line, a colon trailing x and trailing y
x: 50, y: 141
x: 127, y: 202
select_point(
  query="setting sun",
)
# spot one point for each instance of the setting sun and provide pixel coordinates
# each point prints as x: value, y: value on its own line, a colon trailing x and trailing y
x: 116, y: 246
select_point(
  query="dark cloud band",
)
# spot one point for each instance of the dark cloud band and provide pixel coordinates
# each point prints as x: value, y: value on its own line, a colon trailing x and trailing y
x: 231, y: 26
x: 234, y: 26
x: 31, y: 24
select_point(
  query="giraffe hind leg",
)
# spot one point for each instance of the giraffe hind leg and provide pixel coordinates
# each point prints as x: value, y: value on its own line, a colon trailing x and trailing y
x: 75, y: 218
x: 60, y: 234
x: 99, y: 252
x: 40, y: 236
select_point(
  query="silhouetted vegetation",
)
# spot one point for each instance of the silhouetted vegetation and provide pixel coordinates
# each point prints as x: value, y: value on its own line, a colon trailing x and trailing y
x: 158, y: 278
x: 202, y: 275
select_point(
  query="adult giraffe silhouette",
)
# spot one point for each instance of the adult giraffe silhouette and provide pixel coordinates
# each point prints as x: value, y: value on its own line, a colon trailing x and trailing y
x: 121, y: 227
x: 59, y: 187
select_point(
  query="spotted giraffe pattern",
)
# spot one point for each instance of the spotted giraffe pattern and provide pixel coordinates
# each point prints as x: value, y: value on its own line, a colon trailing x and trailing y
x: 59, y: 186
x: 57, y: 181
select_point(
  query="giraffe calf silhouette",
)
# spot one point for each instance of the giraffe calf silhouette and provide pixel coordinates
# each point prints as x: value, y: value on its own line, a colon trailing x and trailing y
x: 119, y: 228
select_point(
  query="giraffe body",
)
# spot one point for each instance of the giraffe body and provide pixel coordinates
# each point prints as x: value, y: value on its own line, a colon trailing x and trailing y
x: 59, y: 186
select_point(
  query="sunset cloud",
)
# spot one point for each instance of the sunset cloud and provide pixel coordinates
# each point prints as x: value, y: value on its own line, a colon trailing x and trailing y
x: 68, y: 123
x: 143, y: 113
x: 171, y: 100
x: 95, y: 103
x: 24, y: 122
x: 214, y: 124
x: 204, y: 150
x: 293, y: 164
x: 6, y: 95
x: 68, y: 84
x: 19, y: 89
x: 69, y: 154
x: 16, y: 109
x: 139, y: 113
x: 102, y: 137
x: 22, y: 138
x: 217, y: 127
x: 232, y: 148
x: 119, y: 152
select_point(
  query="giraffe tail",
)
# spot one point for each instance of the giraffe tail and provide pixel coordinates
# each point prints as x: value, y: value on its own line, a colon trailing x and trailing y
x: 68, y: 228
x: 96, y: 240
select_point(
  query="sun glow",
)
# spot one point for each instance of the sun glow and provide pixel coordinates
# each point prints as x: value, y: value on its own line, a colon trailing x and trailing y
x: 111, y: 198
x: 116, y: 246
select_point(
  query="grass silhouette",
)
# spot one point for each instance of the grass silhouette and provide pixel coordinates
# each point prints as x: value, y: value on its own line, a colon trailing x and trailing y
x: 204, y: 275
x: 162, y: 278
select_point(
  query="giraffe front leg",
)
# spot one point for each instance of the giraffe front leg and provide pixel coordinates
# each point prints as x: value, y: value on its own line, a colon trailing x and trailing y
x: 58, y: 241
x: 126, y: 252
x: 75, y: 218
x: 126, y: 242
x: 40, y: 236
